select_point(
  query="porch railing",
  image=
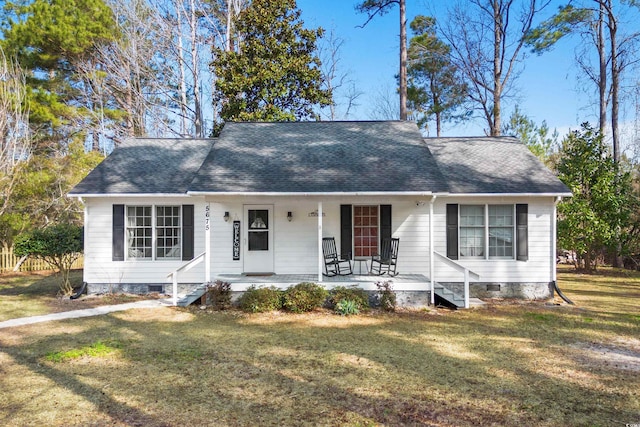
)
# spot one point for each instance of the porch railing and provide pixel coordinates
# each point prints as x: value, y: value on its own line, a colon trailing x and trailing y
x: 466, y: 272
x: 185, y: 267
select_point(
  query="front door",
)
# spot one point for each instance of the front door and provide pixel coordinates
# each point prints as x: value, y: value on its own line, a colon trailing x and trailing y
x: 258, y: 239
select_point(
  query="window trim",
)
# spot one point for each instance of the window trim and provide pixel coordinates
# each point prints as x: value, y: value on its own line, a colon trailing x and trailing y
x: 154, y: 233
x: 486, y: 227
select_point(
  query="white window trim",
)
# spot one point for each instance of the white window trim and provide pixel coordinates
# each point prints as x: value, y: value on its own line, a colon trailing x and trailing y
x: 486, y: 256
x: 154, y: 234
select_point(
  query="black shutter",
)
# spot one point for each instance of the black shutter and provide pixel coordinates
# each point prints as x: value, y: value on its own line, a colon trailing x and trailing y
x: 346, y: 231
x: 452, y: 231
x: 187, y: 232
x: 522, y: 232
x: 117, y: 231
x: 385, y: 222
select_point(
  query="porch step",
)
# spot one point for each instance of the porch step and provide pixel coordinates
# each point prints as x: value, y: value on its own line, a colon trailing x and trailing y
x: 448, y: 295
x: 193, y: 296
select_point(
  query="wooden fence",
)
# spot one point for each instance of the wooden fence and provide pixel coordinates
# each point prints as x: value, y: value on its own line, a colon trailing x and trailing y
x: 8, y: 261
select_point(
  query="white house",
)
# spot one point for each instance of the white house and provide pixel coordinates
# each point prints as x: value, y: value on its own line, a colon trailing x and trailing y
x: 252, y: 207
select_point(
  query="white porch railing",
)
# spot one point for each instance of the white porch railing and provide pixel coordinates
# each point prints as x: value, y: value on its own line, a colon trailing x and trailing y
x: 467, y: 274
x: 185, y: 267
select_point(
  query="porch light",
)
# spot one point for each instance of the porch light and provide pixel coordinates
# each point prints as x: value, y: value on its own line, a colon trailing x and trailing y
x: 226, y: 216
x: 289, y: 216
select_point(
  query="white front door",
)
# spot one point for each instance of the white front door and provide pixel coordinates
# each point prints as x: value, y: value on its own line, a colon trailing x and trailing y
x: 258, y: 239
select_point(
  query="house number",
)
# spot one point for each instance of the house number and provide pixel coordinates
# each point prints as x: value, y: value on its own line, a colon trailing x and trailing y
x: 207, y: 215
x: 236, y: 240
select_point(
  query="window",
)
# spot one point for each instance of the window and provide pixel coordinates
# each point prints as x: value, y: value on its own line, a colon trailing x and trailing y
x: 146, y: 232
x: 365, y: 230
x: 258, y: 230
x: 472, y: 231
x: 168, y: 231
x: 487, y: 229
x: 139, y: 232
x: 501, y: 231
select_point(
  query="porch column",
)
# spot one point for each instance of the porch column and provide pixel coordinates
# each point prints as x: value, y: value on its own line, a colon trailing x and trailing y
x: 207, y: 243
x: 320, y: 257
x: 431, y: 254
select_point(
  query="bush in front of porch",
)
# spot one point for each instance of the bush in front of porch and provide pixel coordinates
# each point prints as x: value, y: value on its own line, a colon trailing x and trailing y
x: 304, y: 297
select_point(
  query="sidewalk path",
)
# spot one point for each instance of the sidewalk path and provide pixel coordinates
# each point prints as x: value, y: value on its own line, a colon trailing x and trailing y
x: 74, y: 314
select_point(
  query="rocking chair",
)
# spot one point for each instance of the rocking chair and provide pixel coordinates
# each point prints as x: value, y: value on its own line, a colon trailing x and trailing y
x: 334, y: 264
x: 386, y: 260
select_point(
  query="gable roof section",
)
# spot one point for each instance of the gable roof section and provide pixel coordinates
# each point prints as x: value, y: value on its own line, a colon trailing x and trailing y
x: 146, y: 166
x: 492, y: 165
x: 319, y: 157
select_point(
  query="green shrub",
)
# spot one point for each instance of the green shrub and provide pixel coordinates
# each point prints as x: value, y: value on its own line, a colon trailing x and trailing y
x: 60, y: 245
x: 346, y: 307
x: 304, y: 297
x: 359, y: 296
x: 219, y: 295
x: 260, y: 300
x: 386, y: 296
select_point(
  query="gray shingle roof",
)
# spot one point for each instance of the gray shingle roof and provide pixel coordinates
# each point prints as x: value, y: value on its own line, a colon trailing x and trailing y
x: 147, y: 166
x: 316, y: 157
x: 321, y: 157
x: 492, y: 165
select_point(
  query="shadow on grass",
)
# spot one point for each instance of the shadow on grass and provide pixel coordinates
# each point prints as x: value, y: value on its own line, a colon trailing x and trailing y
x: 474, y: 368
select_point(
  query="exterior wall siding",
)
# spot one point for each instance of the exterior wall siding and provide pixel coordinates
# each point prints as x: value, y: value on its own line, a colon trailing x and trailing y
x: 295, y: 245
x: 536, y: 269
x: 99, y: 267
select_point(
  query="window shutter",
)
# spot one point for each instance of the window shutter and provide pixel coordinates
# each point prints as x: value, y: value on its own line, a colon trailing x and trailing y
x: 385, y: 222
x: 346, y: 231
x: 117, y: 232
x: 522, y: 232
x: 187, y: 232
x: 452, y: 231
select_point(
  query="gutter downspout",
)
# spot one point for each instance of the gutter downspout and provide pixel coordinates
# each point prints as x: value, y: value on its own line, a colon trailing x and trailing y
x: 320, y: 255
x: 431, y: 254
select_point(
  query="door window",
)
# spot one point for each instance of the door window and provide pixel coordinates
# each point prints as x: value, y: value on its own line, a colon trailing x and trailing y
x: 258, y: 230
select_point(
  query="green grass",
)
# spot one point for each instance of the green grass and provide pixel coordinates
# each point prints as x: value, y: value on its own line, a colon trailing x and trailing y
x: 504, y: 364
x: 33, y: 294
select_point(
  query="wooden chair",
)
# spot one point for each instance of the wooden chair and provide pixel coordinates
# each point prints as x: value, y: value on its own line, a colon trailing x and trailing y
x: 334, y: 264
x: 386, y: 260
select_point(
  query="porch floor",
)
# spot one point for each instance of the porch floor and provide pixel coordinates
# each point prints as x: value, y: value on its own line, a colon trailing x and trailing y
x: 413, y: 282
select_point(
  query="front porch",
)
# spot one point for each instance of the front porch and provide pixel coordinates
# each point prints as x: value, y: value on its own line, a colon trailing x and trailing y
x: 414, y: 282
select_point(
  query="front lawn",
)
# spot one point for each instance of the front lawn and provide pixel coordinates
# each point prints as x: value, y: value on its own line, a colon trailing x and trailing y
x: 504, y: 364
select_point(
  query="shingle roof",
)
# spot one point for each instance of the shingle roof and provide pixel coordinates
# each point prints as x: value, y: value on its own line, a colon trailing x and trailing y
x: 321, y: 157
x: 492, y: 165
x: 147, y: 166
x: 316, y: 157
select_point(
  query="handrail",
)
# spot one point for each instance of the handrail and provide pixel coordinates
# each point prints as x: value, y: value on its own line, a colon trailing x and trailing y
x: 184, y: 267
x: 467, y: 273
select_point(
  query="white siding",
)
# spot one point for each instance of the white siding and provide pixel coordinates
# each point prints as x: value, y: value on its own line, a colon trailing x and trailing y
x: 536, y: 269
x: 98, y: 264
x: 296, y: 242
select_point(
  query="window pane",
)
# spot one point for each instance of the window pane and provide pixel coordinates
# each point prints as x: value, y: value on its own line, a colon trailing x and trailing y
x: 501, y: 231
x: 168, y: 232
x: 258, y: 219
x: 365, y: 230
x: 139, y: 232
x: 472, y: 231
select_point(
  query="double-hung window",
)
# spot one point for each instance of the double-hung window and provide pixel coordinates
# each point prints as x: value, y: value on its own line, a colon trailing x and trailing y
x: 487, y: 229
x: 153, y: 230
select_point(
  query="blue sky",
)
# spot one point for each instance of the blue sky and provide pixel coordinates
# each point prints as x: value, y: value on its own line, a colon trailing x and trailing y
x: 547, y: 86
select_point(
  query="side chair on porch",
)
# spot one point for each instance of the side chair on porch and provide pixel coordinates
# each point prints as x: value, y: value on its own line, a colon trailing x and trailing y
x: 334, y: 264
x: 386, y: 260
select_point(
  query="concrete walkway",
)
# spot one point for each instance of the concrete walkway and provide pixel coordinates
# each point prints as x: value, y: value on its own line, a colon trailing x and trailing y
x: 74, y: 314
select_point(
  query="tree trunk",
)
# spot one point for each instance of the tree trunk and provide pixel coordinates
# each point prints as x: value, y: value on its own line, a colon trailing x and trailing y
x: 497, y: 68
x: 602, y: 56
x: 403, y: 60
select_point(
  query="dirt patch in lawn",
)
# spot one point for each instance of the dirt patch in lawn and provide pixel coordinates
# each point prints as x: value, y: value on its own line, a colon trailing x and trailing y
x: 625, y: 356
